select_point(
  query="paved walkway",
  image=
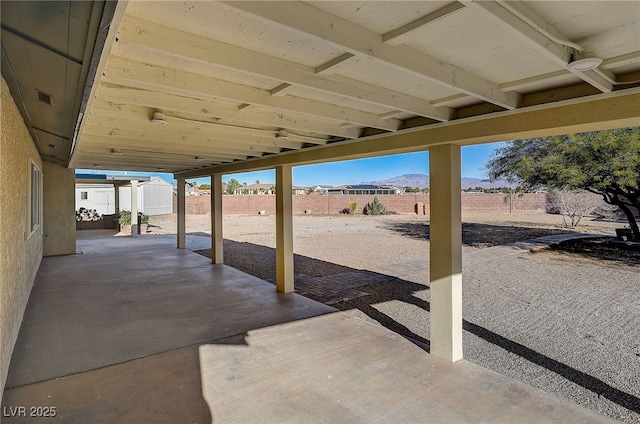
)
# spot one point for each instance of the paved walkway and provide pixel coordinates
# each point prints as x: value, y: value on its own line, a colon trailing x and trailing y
x: 494, y: 252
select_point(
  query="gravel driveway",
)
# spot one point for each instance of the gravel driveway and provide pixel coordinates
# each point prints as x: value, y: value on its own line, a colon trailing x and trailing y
x: 566, y: 324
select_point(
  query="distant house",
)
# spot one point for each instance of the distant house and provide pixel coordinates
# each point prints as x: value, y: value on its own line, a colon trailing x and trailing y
x: 269, y: 188
x: 322, y: 189
x: 155, y: 197
x: 298, y: 190
x: 364, y: 189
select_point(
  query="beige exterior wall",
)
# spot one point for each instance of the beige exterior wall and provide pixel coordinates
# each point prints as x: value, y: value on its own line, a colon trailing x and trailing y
x: 59, y: 210
x: 20, y: 248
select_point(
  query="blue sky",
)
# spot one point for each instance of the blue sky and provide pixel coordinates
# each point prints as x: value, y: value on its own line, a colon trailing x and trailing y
x: 474, y: 159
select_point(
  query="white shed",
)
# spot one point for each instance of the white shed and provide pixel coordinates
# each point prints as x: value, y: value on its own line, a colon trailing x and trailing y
x: 155, y: 197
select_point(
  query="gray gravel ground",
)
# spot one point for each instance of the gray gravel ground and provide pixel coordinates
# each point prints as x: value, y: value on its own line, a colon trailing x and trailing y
x: 563, y: 323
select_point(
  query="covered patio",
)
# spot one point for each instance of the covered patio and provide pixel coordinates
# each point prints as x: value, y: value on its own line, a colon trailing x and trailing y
x: 206, y: 89
x: 169, y: 337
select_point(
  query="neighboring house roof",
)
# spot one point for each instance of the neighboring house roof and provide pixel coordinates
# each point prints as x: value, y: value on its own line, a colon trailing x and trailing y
x: 267, y: 186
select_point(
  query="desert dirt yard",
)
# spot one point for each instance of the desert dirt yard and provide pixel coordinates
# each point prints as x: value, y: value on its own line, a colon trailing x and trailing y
x: 566, y: 323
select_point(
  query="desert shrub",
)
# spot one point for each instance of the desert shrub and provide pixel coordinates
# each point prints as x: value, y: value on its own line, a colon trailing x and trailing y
x: 573, y: 206
x: 125, y: 218
x: 608, y: 212
x: 374, y: 208
x: 352, y: 207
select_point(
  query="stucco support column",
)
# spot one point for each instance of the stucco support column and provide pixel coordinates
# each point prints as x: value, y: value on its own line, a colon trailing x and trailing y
x: 217, y: 253
x: 134, y: 208
x: 116, y: 199
x: 284, y: 229
x: 445, y: 252
x: 181, y: 214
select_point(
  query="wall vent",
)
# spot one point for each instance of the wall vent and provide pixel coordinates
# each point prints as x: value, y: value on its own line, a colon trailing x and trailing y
x: 44, y: 97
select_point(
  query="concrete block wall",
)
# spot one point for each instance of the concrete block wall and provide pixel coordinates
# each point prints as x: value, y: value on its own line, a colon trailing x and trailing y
x: 333, y: 204
x: 20, y: 248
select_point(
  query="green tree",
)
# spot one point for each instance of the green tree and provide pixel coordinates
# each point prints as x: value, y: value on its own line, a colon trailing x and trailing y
x: 375, y: 207
x: 602, y: 162
x: 233, y: 185
x: 205, y: 187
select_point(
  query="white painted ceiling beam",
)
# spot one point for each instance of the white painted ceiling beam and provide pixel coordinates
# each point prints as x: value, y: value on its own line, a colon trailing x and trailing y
x: 280, y: 90
x: 121, y: 138
x: 180, y: 128
x: 131, y: 74
x: 176, y: 43
x: 536, y: 81
x: 124, y: 113
x: 209, y: 109
x: 408, y: 31
x: 560, y: 55
x: 168, y: 157
x: 118, y: 163
x: 223, y: 147
x: 131, y: 150
x: 445, y: 100
x: 334, y: 64
x: 310, y: 21
x: 623, y: 60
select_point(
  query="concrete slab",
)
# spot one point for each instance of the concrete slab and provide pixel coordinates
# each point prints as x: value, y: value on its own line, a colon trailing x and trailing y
x: 519, y: 247
x: 95, y: 310
x: 340, y: 368
x: 106, y: 241
x: 160, y: 389
x: 109, y: 339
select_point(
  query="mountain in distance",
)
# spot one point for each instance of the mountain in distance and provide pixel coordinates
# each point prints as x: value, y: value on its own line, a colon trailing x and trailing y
x: 422, y: 181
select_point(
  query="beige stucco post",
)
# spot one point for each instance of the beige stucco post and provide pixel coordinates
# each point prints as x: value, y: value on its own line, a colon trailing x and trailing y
x: 284, y: 229
x: 134, y: 208
x: 445, y: 252
x: 181, y: 214
x: 58, y: 210
x: 116, y: 199
x: 217, y: 253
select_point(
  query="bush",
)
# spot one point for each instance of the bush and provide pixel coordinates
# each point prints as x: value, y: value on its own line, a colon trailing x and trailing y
x: 374, y: 208
x: 125, y: 218
x: 608, y: 212
x: 572, y: 205
x: 353, y: 205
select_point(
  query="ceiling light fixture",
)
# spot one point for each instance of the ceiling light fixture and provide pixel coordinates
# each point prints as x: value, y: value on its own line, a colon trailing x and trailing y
x: 282, y: 134
x: 585, y: 60
x: 116, y: 152
x: 158, y: 118
x: 586, y: 64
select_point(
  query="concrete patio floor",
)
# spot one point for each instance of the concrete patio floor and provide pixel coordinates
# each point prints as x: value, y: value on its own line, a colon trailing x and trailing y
x: 134, y: 330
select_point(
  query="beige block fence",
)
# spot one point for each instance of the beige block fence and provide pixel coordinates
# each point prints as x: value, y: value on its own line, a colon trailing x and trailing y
x: 334, y: 204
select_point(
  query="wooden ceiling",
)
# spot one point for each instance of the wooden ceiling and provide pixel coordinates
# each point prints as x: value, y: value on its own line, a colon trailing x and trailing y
x: 241, y: 80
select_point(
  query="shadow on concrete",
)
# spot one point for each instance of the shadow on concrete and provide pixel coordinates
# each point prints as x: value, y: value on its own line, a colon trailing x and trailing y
x: 478, y: 235
x: 252, y: 258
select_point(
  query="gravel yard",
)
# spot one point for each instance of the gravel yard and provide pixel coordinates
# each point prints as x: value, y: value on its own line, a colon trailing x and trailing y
x: 565, y: 323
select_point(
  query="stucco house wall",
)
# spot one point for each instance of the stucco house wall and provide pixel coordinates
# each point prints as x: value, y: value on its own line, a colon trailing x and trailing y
x: 59, y: 214
x: 20, y: 248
